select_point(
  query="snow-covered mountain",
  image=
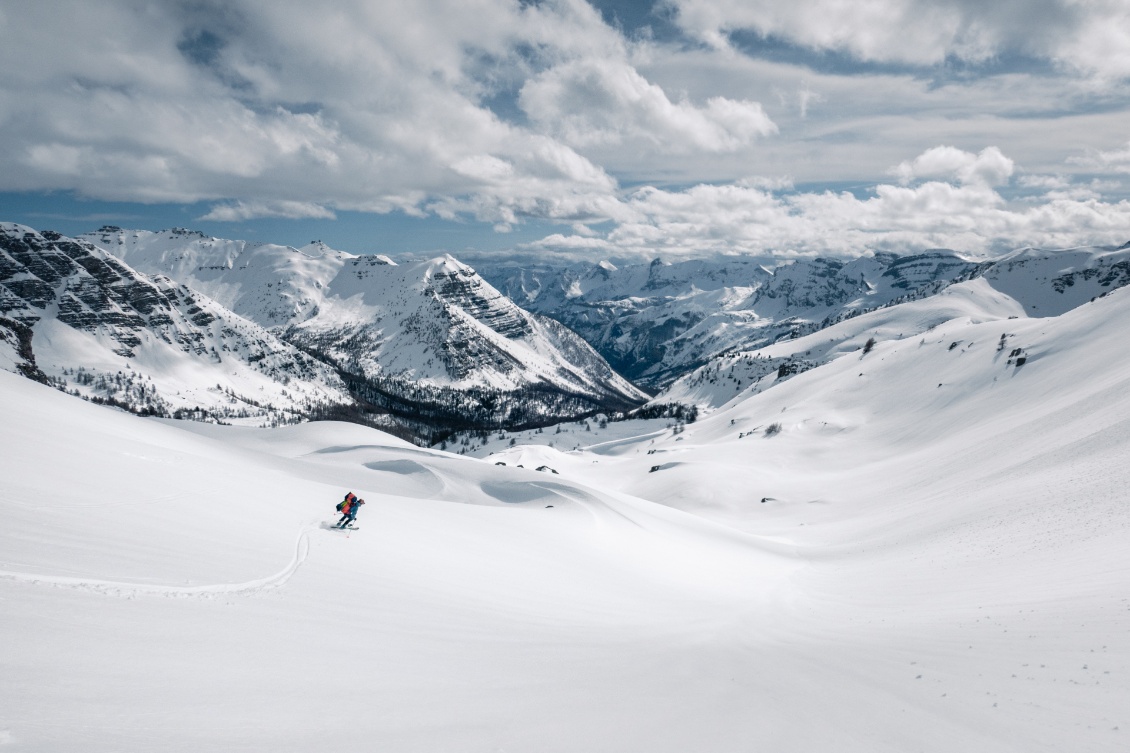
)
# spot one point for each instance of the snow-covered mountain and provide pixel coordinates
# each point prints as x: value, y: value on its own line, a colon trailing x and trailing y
x: 418, y: 331
x: 95, y: 326
x: 921, y: 547
x: 1026, y: 283
x: 636, y: 316
x: 659, y: 321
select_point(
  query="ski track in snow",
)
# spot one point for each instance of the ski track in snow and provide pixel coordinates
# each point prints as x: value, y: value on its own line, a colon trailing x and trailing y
x: 130, y: 590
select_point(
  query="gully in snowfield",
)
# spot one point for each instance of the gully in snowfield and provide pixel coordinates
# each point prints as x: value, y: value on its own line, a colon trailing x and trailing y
x: 349, y: 508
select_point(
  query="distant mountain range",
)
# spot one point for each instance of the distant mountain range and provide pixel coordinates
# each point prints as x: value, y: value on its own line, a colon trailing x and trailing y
x: 179, y: 323
x: 659, y: 321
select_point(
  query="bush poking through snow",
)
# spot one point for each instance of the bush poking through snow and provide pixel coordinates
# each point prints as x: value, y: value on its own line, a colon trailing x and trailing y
x: 772, y: 429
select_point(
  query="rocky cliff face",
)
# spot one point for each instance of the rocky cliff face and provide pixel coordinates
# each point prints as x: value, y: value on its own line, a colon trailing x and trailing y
x: 89, y: 312
x: 86, y: 289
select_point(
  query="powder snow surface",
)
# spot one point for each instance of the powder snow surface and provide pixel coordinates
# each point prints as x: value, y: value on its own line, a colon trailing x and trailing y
x: 920, y: 549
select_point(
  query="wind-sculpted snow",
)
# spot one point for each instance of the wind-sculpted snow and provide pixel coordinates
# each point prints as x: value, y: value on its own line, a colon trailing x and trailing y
x: 959, y: 495
x: 408, y: 478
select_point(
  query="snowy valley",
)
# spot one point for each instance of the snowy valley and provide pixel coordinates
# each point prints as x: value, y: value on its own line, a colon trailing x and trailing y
x: 565, y: 376
x: 903, y: 531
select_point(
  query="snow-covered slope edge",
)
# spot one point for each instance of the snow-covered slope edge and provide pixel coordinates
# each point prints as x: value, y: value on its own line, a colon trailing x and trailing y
x: 735, y: 375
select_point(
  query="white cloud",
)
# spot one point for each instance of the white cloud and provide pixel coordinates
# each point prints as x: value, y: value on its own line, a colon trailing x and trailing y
x: 503, y: 112
x: 607, y: 102
x: 805, y: 97
x: 1091, y: 36
x: 358, y: 107
x: 1049, y: 182
x: 962, y: 212
x: 1101, y: 41
x: 1114, y: 160
x: 363, y: 107
x: 561, y: 242
x: 990, y: 167
x: 766, y: 183
x: 250, y: 210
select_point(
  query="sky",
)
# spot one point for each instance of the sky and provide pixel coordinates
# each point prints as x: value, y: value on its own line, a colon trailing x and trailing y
x: 564, y: 128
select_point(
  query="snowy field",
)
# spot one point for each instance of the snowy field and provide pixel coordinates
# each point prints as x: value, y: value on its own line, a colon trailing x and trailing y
x: 926, y: 548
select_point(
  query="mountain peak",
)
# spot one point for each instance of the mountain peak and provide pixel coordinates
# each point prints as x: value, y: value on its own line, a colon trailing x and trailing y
x: 321, y: 250
x: 182, y: 232
x: 433, y: 330
x: 446, y: 265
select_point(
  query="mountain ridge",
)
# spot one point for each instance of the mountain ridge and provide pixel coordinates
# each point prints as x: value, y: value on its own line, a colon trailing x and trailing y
x: 686, y: 314
x: 427, y: 345
x: 373, y: 299
x: 104, y: 330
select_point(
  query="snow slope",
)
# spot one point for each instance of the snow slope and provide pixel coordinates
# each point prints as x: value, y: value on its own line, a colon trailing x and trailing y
x: 180, y: 591
x: 964, y: 519
x: 657, y: 321
x: 729, y: 377
x: 928, y: 555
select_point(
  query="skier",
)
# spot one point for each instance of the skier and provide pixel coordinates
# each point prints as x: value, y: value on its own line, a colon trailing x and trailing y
x: 349, y: 513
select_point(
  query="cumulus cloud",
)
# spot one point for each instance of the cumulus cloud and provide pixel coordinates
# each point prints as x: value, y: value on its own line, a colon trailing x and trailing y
x: 960, y: 211
x: 600, y: 102
x: 561, y: 242
x: 1048, y: 182
x: 360, y: 107
x: 1091, y: 36
x: 990, y: 167
x: 266, y: 105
